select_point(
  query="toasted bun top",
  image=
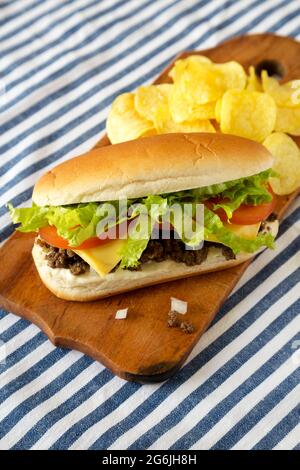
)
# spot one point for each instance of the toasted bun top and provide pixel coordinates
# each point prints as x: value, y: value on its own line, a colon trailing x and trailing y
x: 151, y: 165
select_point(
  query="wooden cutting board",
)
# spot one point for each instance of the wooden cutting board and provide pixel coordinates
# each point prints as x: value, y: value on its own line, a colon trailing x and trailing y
x: 141, y: 348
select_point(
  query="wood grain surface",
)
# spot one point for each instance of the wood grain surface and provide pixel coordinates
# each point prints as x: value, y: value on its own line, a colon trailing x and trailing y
x: 141, y: 348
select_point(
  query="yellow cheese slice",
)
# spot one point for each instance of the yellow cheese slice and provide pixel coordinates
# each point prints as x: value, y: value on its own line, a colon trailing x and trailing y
x: 103, y: 258
x: 245, y: 231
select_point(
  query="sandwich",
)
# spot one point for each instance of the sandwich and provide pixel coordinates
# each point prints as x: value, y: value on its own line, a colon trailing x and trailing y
x: 82, y: 253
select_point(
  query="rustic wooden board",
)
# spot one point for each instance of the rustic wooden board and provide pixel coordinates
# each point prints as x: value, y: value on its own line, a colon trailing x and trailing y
x: 141, y: 348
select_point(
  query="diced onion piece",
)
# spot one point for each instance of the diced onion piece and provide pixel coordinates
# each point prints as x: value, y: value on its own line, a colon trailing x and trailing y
x: 121, y: 314
x: 179, y: 306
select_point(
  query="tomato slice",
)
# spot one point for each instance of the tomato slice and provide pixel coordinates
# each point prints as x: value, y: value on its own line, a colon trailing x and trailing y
x: 50, y: 235
x: 245, y: 214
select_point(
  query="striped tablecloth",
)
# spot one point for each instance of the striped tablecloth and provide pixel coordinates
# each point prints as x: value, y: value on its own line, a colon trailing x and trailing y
x: 61, y: 64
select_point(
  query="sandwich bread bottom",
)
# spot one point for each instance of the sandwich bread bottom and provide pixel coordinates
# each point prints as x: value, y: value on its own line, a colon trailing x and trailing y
x: 90, y: 286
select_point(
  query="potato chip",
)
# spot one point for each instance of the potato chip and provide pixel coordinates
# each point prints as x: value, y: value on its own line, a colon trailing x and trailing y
x: 218, y: 108
x: 253, y: 82
x: 152, y: 103
x: 199, y: 83
x: 287, y: 95
x: 181, y: 64
x: 124, y: 123
x: 183, y: 110
x: 233, y: 74
x: 287, y: 162
x: 194, y: 126
x: 288, y: 120
x: 249, y: 114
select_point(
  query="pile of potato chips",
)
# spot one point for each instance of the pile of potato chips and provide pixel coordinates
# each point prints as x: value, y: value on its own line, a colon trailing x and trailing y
x: 211, y: 97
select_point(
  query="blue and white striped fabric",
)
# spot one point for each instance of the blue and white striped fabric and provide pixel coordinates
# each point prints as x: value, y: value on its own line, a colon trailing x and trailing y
x: 61, y: 64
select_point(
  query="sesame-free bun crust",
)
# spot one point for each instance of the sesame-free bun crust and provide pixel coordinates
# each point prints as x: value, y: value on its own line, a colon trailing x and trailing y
x: 151, y: 165
x: 90, y: 286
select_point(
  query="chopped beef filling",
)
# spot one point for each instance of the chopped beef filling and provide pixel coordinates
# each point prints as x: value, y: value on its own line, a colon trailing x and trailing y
x: 264, y: 227
x: 272, y: 217
x: 59, y: 258
x: 160, y: 250
x: 67, y: 259
x: 42, y: 243
x: 157, y: 250
x: 227, y: 253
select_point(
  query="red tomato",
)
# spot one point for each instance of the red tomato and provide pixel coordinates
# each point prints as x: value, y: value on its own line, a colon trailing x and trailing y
x: 245, y: 214
x: 50, y: 235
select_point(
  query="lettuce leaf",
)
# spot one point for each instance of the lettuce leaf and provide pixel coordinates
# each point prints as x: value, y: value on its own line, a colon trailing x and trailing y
x: 214, y: 226
x: 30, y: 218
x: 146, y: 214
x: 136, y: 245
x: 250, y: 191
x: 75, y: 223
x: 238, y: 244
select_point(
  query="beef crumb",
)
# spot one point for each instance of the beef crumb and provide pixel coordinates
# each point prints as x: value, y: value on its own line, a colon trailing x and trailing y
x: 175, y: 250
x: 272, y: 217
x: 187, y: 327
x: 42, y: 243
x: 173, y: 321
x: 78, y: 268
x: 134, y: 268
x: 153, y: 252
x: 66, y: 259
x: 228, y: 253
x: 70, y: 253
x: 264, y: 227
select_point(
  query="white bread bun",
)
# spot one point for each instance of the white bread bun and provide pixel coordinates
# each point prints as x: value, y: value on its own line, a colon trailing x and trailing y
x: 90, y: 286
x: 151, y: 165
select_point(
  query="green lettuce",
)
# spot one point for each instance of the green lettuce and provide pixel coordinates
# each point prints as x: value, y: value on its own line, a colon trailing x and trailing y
x: 250, y: 191
x: 136, y: 245
x: 75, y: 223
x: 214, y: 226
x: 30, y: 218
x: 146, y: 212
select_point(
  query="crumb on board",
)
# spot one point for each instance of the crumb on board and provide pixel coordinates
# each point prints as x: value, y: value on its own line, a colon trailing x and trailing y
x: 173, y: 321
x: 187, y: 327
